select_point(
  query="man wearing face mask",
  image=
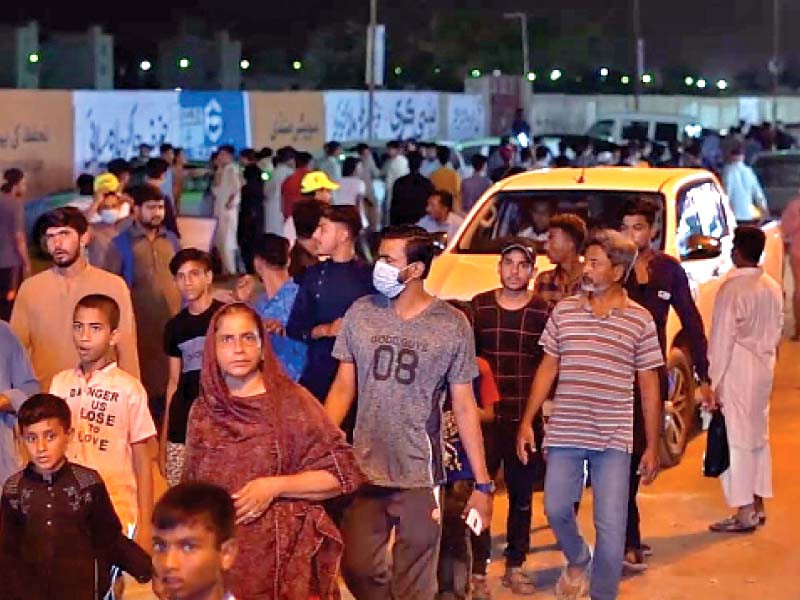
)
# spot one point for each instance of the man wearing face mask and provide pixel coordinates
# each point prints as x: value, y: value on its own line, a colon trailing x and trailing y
x: 145, y: 251
x: 105, y: 223
x: 398, y: 350
x: 596, y: 344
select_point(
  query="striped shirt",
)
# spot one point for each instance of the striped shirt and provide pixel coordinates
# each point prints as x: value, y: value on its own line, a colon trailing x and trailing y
x: 599, y: 357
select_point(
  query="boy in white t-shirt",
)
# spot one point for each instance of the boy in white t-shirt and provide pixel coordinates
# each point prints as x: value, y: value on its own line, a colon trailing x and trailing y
x: 110, y: 416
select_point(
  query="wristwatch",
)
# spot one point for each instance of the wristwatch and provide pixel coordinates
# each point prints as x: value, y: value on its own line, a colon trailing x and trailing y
x: 486, y: 488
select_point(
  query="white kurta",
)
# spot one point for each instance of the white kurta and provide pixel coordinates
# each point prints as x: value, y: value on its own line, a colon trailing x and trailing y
x: 273, y: 209
x: 745, y: 332
x: 230, y: 184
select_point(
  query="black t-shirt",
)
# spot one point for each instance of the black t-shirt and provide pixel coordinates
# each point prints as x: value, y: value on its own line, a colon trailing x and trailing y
x: 184, y: 338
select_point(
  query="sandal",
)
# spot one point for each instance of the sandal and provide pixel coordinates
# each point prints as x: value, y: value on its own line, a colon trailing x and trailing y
x: 572, y: 589
x: 634, y: 562
x: 733, y: 525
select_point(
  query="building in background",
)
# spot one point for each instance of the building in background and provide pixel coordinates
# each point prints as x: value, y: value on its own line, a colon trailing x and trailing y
x: 81, y: 61
x: 19, y: 55
x: 192, y: 61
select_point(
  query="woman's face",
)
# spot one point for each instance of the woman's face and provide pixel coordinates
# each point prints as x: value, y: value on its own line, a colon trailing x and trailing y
x: 238, y: 344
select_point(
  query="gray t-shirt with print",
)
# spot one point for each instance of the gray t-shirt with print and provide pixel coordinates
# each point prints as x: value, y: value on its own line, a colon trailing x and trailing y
x: 403, y: 367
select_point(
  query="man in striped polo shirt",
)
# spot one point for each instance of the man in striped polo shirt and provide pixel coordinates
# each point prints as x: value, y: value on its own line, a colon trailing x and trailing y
x: 596, y: 343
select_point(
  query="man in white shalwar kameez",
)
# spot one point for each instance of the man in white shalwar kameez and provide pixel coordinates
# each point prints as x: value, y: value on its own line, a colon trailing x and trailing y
x: 273, y: 203
x: 745, y: 332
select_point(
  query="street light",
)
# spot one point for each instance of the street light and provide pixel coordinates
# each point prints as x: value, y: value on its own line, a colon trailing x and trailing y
x: 145, y: 65
x: 297, y: 65
x: 244, y: 64
x: 604, y: 72
x: 33, y: 58
x: 437, y: 70
x: 701, y: 83
x: 531, y: 76
x: 722, y: 85
x: 647, y: 79
x: 689, y: 81
x: 398, y: 71
x: 555, y: 74
x: 624, y: 80
x: 183, y: 63
x: 523, y: 21
x: 475, y: 73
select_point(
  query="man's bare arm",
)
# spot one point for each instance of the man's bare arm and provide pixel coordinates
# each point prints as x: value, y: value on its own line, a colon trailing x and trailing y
x: 342, y: 393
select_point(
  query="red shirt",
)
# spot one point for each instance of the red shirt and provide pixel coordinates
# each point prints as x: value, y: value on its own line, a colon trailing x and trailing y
x: 290, y: 190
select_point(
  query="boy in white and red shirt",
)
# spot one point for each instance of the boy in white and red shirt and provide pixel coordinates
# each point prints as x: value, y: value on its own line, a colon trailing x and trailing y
x: 110, y: 415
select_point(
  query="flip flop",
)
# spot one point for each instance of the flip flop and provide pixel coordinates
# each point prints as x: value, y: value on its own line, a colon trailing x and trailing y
x: 732, y: 525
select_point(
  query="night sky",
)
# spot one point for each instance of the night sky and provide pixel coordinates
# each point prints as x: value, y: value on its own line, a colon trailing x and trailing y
x: 716, y: 35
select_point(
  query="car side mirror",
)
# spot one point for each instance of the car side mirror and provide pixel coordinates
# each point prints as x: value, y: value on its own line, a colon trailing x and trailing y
x: 700, y: 247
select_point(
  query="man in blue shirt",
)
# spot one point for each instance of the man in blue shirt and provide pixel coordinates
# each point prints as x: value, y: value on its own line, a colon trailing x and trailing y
x: 326, y: 292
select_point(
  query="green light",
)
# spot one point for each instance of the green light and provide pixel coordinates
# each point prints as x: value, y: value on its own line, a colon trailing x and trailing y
x: 604, y: 72
x: 398, y: 71
x: 244, y: 64
x: 33, y: 58
x: 531, y: 76
x: 701, y: 83
x: 437, y: 70
x: 689, y: 81
x: 184, y: 63
x: 647, y: 79
x: 476, y: 73
x: 297, y: 65
x: 625, y: 80
x: 722, y: 85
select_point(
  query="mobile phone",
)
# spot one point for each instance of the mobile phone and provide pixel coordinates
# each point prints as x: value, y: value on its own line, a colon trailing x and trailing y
x: 474, y: 521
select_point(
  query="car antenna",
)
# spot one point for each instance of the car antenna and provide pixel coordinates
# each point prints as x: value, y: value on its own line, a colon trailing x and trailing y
x: 582, y: 177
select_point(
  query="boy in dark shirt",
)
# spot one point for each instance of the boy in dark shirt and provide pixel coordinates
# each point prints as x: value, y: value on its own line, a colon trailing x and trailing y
x: 60, y: 534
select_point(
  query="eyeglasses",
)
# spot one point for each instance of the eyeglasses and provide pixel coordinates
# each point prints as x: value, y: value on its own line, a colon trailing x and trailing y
x: 248, y: 340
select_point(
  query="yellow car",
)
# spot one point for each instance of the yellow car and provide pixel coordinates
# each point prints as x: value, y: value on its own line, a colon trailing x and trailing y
x: 695, y: 226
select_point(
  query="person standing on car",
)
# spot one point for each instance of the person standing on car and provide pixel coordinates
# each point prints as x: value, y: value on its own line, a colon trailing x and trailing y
x: 745, y: 332
x: 743, y: 188
x: 658, y: 283
x: 508, y: 323
x: 594, y: 345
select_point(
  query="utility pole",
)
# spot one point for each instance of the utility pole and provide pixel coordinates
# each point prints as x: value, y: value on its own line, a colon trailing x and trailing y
x: 523, y: 20
x: 775, y: 65
x: 371, y: 51
x: 639, y: 50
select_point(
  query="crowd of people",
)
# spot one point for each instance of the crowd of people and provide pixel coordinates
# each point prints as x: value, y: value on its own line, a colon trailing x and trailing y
x: 320, y: 416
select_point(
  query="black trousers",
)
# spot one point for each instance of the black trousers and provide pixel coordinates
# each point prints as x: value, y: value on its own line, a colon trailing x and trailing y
x: 10, y: 280
x: 633, y: 537
x: 455, y: 554
x: 500, y: 438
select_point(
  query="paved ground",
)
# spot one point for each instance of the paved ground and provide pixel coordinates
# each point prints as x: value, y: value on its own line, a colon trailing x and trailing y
x: 689, y: 561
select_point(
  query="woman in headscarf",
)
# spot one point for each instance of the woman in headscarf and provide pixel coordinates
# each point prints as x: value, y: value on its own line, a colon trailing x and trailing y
x: 267, y: 441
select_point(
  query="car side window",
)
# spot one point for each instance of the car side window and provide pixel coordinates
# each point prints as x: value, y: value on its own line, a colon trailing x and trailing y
x: 665, y: 132
x: 700, y: 212
x: 635, y: 130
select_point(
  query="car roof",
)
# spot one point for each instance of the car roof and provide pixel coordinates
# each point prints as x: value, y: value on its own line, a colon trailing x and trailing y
x: 645, y: 115
x: 778, y: 154
x: 599, y: 178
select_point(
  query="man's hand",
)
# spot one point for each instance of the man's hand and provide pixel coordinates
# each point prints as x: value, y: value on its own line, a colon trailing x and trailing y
x: 335, y: 327
x: 327, y: 329
x: 483, y: 504
x: 526, y: 442
x: 648, y: 466
x: 707, y: 397
x: 244, y: 288
x: 11, y: 295
x: 274, y: 326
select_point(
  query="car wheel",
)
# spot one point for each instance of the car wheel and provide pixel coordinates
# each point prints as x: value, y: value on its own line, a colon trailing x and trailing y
x: 679, y: 409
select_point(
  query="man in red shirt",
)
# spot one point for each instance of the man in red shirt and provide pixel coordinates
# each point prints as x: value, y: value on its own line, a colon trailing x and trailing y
x: 290, y: 190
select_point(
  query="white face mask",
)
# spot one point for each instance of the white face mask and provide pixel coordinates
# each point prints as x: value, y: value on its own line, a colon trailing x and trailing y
x: 109, y: 215
x: 386, y: 279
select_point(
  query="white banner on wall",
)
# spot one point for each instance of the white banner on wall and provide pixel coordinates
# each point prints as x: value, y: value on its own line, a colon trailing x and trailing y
x: 396, y: 115
x: 466, y: 117
x: 113, y: 124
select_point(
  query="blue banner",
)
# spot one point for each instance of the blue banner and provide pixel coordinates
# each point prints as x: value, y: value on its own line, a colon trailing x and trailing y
x: 212, y: 119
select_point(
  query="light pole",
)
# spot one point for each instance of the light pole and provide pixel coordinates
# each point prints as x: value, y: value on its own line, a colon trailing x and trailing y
x: 639, y: 45
x: 523, y: 21
x: 775, y: 65
x: 373, y: 22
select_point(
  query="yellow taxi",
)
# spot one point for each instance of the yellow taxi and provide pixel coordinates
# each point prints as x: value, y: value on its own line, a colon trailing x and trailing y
x: 695, y: 225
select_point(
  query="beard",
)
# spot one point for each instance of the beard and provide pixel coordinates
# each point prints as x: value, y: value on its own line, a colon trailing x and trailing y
x: 152, y: 224
x: 589, y: 286
x: 68, y: 261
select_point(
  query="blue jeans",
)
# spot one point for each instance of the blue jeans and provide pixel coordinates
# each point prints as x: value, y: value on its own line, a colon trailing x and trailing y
x: 563, y: 487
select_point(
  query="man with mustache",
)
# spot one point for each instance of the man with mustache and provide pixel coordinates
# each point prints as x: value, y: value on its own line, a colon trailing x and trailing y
x: 42, y: 316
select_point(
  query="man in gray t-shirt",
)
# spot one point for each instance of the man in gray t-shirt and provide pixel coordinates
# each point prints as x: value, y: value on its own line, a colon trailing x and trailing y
x: 399, y: 351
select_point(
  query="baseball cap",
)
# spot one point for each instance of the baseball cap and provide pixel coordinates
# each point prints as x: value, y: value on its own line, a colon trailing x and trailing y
x: 517, y: 244
x: 316, y: 180
x: 107, y: 182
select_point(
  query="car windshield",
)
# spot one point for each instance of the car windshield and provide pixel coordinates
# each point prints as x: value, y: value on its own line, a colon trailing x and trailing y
x: 602, y: 129
x: 527, y: 214
x: 778, y: 171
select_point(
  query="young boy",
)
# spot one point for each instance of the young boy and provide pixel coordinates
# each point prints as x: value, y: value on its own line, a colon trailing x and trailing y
x: 109, y: 414
x: 60, y: 534
x: 184, y: 339
x: 199, y: 516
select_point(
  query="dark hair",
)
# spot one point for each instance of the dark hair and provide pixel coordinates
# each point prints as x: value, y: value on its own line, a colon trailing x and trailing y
x: 273, y: 249
x: 248, y: 153
x: 265, y: 152
x: 505, y: 140
x: 306, y: 214
x: 302, y: 159
x: 144, y: 192
x: 85, y: 184
x: 284, y: 154
x: 361, y: 147
x: 349, y: 166
x: 443, y: 154
x: 40, y: 407
x: 419, y: 244
x: 228, y: 148
x: 252, y: 174
x: 165, y: 148
x: 542, y: 152
x: 118, y: 166
x: 331, y: 147
x: 445, y: 197
x: 749, y: 241
x: 345, y: 215
x: 196, y: 501
x: 178, y: 152
x: 190, y: 255
x: 11, y: 177
x: 414, y: 161
x: 156, y: 167
x: 105, y: 304
x: 394, y: 144
x: 66, y: 216
x: 573, y: 226
x: 478, y: 161
x: 641, y: 207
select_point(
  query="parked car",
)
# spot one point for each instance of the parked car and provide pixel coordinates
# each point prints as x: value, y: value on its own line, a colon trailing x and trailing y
x: 695, y: 225
x: 623, y: 127
x: 779, y: 174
